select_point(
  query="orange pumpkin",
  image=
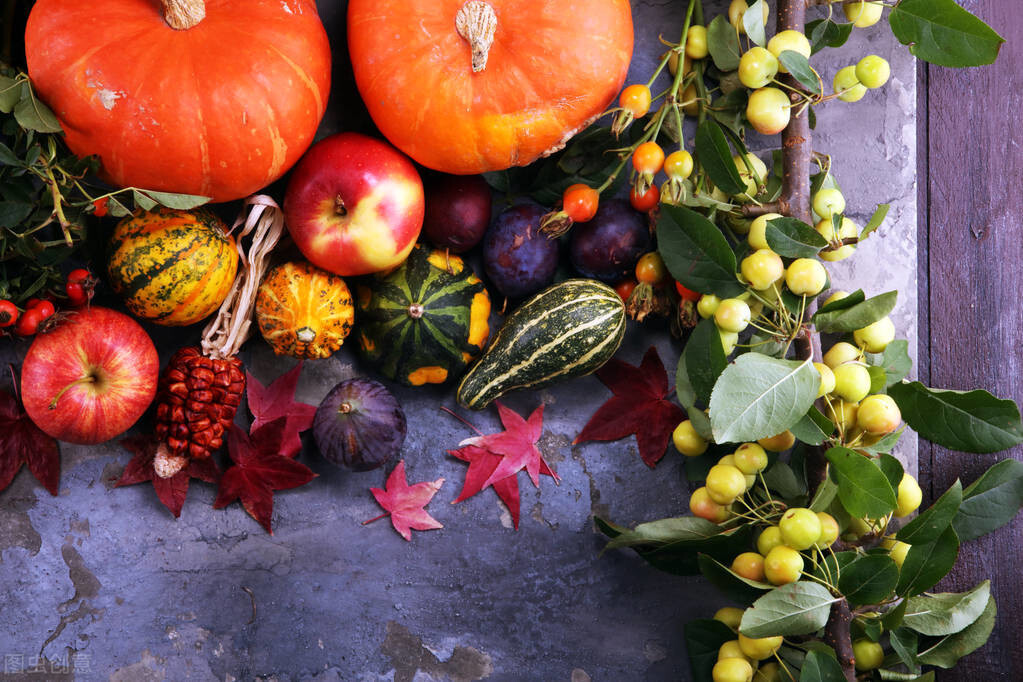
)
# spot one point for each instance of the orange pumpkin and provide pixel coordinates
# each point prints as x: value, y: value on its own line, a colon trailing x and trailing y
x: 221, y: 105
x: 525, y: 77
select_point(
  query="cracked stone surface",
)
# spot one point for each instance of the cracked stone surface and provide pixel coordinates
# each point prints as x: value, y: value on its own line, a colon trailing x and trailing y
x: 106, y: 583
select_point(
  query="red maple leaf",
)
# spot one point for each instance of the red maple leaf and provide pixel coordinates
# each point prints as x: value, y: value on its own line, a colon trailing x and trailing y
x: 260, y: 467
x: 22, y: 442
x: 482, y: 463
x: 406, y: 503
x: 639, y: 406
x: 517, y: 446
x: 171, y: 491
x: 267, y: 403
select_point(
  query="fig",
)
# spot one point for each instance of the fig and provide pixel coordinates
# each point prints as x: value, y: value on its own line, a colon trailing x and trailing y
x: 608, y: 246
x: 519, y: 259
x: 359, y: 425
x: 457, y: 211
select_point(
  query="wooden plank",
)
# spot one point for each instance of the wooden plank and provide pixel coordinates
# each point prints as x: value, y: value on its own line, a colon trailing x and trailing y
x: 973, y: 263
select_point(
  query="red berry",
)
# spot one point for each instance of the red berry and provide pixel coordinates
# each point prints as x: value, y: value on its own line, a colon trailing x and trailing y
x: 75, y: 294
x: 45, y: 309
x: 79, y: 275
x: 8, y: 313
x: 625, y: 288
x: 580, y: 202
x: 687, y: 294
x: 99, y: 206
x: 28, y: 323
x: 32, y: 303
x: 647, y: 201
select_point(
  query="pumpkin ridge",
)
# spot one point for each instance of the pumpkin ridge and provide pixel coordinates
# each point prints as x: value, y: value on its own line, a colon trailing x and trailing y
x: 201, y: 289
x: 145, y: 278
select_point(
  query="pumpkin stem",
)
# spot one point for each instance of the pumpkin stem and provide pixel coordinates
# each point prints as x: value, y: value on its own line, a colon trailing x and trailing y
x: 476, y: 22
x: 306, y: 335
x: 183, y: 14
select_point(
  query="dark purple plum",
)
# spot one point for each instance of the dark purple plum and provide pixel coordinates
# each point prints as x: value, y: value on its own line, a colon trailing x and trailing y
x: 457, y: 211
x: 518, y: 258
x: 608, y: 246
x: 359, y: 425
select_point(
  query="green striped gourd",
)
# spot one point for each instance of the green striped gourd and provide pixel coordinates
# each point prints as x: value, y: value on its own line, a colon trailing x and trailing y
x: 424, y: 321
x: 567, y: 330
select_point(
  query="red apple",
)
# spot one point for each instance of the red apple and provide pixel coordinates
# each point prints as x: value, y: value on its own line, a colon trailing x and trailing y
x: 91, y: 378
x: 354, y: 205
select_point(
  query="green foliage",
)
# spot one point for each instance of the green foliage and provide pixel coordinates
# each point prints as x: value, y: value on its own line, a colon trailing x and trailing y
x: 946, y: 613
x: 793, y: 238
x: 855, y: 316
x: 704, y: 637
x: 827, y: 33
x: 946, y: 652
x: 970, y: 421
x: 821, y: 667
x: 868, y: 579
x: 928, y: 563
x: 715, y: 157
x: 696, y: 253
x: 800, y: 69
x: 929, y: 525
x: 863, y: 488
x: 723, y: 44
x: 798, y: 608
x: 943, y: 33
x: 991, y: 501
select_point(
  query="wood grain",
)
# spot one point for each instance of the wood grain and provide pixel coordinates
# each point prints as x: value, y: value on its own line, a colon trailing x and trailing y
x: 971, y: 258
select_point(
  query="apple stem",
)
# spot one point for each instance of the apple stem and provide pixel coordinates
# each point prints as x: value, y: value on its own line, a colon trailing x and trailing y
x: 339, y: 206
x: 88, y: 379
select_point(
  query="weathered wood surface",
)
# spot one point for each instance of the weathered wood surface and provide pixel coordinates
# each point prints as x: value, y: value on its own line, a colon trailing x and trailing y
x: 971, y: 275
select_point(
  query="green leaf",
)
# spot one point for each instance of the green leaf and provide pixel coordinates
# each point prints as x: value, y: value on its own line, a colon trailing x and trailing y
x: 759, y: 397
x: 9, y: 158
x: 885, y: 445
x: 930, y: 524
x: 947, y: 651
x: 946, y: 613
x: 715, y: 156
x: 926, y: 564
x: 798, y: 608
x: 878, y: 379
x: 941, y: 32
x: 875, y: 221
x: 116, y: 208
x: 793, y: 238
x: 696, y: 253
x: 10, y: 93
x: 800, y: 69
x: 12, y: 213
x: 704, y: 636
x: 826, y: 33
x: 678, y: 529
x: 893, y: 616
x: 904, y: 641
x: 753, y: 22
x: 820, y: 667
x: 862, y: 486
x: 679, y: 557
x: 969, y: 421
x: 704, y: 359
x: 892, y: 470
x: 896, y: 362
x: 781, y: 479
x: 142, y: 201
x: 731, y: 584
x: 844, y: 303
x: 723, y: 44
x: 869, y: 579
x: 991, y: 501
x: 808, y: 430
x: 857, y: 316
x: 32, y: 114
x: 182, y: 202
x: 824, y: 496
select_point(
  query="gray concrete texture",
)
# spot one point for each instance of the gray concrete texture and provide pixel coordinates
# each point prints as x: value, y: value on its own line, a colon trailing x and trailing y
x: 106, y: 580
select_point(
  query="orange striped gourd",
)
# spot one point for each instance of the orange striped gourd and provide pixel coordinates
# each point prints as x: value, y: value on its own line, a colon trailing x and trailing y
x: 172, y: 267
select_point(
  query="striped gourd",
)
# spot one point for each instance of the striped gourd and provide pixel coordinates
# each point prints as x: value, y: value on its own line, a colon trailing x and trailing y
x: 424, y: 321
x: 303, y: 311
x: 172, y: 267
x: 569, y: 329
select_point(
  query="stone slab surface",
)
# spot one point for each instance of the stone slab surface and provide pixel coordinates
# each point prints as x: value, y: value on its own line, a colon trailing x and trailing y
x: 109, y: 577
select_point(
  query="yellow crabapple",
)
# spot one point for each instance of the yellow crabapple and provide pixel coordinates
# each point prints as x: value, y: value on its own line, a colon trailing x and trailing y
x: 868, y: 655
x: 687, y: 440
x: 836, y: 295
x: 736, y: 11
x: 909, y: 496
x: 783, y: 565
x: 757, y: 236
x: 762, y: 268
x: 687, y: 64
x: 707, y: 305
x: 852, y: 382
x: 732, y: 669
x: 829, y: 530
x: 768, y: 539
x: 800, y: 528
x: 841, y: 353
x: 788, y: 40
x: 858, y: 528
x: 725, y: 483
x: 768, y: 110
x: 752, y: 180
x: 749, y: 565
x: 696, y: 42
x: 759, y: 648
x: 897, y: 550
x: 878, y: 414
x: 778, y: 442
x: 873, y: 71
x: 731, y: 649
x: 729, y: 615
x: 750, y: 458
x: 729, y: 340
x: 847, y: 86
x: 843, y: 414
x: 806, y: 277
x: 863, y: 13
x: 757, y: 67
x: 690, y: 99
x: 701, y: 505
x: 732, y: 315
x: 827, y: 379
x: 848, y: 230
x: 874, y: 338
x: 768, y: 672
x: 828, y: 201
x: 730, y: 461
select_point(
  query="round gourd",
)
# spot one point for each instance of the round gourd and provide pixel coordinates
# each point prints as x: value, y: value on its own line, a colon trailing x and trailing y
x: 472, y: 86
x: 172, y: 267
x: 425, y: 321
x: 216, y: 98
x: 303, y: 311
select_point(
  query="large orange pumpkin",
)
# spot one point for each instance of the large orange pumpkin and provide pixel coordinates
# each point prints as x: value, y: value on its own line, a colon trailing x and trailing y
x: 552, y: 67
x: 220, y: 107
